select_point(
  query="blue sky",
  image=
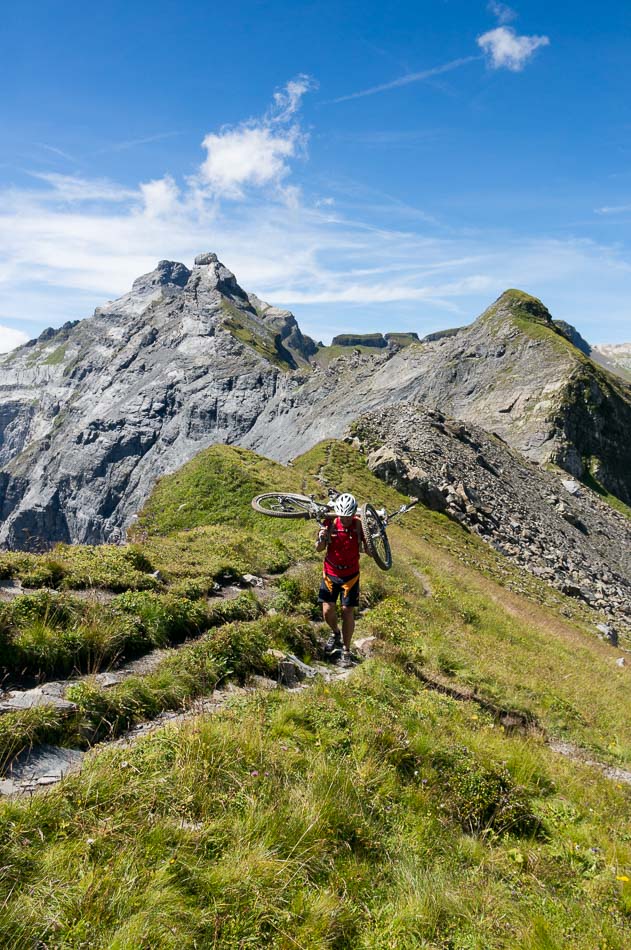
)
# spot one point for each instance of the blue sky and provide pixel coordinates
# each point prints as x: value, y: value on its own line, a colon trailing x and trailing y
x: 370, y: 166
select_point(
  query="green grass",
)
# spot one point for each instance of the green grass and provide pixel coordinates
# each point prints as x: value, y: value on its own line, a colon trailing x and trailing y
x: 56, y: 356
x: 46, y: 635
x: 233, y: 650
x: 246, y: 330
x: 78, y: 567
x: 216, y: 488
x: 374, y: 813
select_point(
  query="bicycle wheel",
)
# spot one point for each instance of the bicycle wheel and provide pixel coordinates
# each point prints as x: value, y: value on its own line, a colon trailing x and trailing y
x: 283, y: 505
x: 375, y: 536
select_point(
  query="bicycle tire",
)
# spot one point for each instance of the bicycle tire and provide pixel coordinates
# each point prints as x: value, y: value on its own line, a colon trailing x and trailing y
x: 283, y: 505
x: 375, y: 537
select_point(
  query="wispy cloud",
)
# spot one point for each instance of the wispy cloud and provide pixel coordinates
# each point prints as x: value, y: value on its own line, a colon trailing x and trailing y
x: 407, y: 79
x: 56, y: 151
x: 506, y: 50
x: 135, y: 143
x: 70, y: 188
x: 67, y: 244
x: 614, y: 209
x: 504, y: 13
x: 256, y: 152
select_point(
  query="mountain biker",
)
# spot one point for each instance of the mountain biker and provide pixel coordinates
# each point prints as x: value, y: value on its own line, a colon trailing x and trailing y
x: 343, y: 539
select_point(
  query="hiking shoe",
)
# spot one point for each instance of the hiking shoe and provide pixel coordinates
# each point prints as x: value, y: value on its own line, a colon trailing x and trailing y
x: 347, y: 661
x: 334, y: 643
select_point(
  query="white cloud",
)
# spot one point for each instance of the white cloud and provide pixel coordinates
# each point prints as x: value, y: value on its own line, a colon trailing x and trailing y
x: 506, y: 49
x: 60, y: 256
x: 503, y: 12
x: 160, y: 197
x: 247, y: 156
x: 10, y: 338
x: 407, y: 79
x: 72, y: 189
x: 256, y: 153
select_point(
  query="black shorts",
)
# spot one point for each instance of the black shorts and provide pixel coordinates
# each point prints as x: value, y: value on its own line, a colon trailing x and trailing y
x: 345, y: 587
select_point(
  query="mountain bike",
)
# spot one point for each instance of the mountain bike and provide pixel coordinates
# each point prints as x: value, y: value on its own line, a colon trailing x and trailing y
x: 373, y: 521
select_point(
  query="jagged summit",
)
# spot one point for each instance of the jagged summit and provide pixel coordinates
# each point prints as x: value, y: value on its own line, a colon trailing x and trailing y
x: 166, y: 274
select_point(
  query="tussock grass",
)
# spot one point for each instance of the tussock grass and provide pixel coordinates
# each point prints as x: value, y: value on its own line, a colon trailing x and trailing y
x: 322, y: 819
x: 46, y: 634
x: 234, y: 650
x: 77, y: 567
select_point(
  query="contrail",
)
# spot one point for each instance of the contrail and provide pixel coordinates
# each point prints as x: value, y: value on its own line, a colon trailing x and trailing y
x: 408, y: 78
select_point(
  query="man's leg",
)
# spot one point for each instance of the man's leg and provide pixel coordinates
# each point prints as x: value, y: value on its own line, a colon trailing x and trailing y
x: 348, y: 625
x: 329, y: 613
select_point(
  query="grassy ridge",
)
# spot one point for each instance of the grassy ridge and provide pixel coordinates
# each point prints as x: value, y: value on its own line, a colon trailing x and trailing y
x: 373, y: 813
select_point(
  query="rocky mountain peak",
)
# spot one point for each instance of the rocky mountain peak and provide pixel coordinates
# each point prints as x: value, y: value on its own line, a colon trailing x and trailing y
x: 210, y: 274
x: 166, y: 274
x: 519, y: 303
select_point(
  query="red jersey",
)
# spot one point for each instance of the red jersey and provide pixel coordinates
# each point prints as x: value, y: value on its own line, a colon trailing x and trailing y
x: 342, y: 553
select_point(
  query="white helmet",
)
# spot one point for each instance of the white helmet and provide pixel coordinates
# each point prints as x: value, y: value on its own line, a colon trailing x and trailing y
x: 345, y: 505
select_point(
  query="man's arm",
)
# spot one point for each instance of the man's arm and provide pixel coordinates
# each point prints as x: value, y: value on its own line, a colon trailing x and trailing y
x: 360, y: 536
x: 324, y: 536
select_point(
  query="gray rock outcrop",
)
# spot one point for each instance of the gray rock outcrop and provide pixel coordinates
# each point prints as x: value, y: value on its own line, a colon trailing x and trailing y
x: 548, y: 525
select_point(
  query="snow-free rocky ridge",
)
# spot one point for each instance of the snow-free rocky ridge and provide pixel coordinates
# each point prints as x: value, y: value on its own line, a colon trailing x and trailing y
x: 549, y: 525
x: 91, y: 415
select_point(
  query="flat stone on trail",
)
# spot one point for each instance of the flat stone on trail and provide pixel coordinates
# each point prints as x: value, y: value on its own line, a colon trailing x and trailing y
x: 366, y: 646
x: 263, y: 682
x: 30, y: 698
x: 45, y: 765
x: 105, y: 680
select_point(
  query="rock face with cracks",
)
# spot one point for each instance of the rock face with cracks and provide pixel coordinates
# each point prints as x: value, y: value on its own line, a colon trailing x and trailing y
x: 92, y: 414
x: 547, y: 523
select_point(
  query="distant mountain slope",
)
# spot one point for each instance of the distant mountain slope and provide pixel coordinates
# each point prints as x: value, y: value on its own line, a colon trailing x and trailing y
x: 92, y: 414
x: 512, y: 372
x: 615, y: 355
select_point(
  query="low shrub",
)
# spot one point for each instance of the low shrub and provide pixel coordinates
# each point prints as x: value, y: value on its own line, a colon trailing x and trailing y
x: 161, y: 619
x: 235, y: 649
x: 482, y: 796
x: 45, y: 573
x: 108, y: 566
